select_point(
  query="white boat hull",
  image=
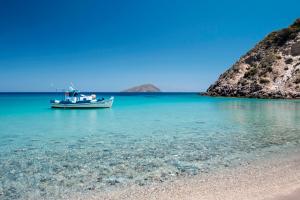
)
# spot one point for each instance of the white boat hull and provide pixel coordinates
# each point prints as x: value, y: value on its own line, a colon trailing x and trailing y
x: 99, y: 104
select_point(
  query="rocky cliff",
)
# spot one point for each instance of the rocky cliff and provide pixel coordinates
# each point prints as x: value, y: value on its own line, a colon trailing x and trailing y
x: 143, y: 88
x: 270, y: 70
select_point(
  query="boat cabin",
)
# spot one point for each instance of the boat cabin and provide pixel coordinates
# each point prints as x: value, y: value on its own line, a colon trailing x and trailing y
x: 74, y: 96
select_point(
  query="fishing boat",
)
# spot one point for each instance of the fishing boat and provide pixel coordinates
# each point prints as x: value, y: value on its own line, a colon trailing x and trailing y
x: 73, y: 99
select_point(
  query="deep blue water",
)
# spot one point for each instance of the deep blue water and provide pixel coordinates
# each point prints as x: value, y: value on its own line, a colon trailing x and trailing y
x: 143, y: 138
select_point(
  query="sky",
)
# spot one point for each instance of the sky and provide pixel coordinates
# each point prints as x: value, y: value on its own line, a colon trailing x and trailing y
x: 111, y: 45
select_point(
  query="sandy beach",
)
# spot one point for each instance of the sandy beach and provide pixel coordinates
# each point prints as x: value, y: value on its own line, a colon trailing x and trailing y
x: 277, y: 178
x: 292, y: 196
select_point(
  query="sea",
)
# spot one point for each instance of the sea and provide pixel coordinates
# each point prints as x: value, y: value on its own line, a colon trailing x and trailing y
x: 144, y: 138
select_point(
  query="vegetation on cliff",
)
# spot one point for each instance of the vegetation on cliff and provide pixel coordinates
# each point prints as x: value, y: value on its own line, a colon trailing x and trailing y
x: 270, y: 70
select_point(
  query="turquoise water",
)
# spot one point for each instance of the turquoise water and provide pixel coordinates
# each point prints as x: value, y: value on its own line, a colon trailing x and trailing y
x: 45, y: 153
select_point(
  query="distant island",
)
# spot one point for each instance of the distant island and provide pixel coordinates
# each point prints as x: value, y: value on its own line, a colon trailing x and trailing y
x: 143, y: 88
x: 270, y: 70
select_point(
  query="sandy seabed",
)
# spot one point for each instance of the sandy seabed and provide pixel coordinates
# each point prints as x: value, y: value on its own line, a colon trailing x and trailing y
x: 275, y: 178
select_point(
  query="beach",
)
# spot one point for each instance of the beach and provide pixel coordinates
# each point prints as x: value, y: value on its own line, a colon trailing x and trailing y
x: 276, y: 178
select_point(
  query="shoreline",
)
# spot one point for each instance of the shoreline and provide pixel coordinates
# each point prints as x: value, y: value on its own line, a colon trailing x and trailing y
x: 274, y: 178
x: 204, y: 94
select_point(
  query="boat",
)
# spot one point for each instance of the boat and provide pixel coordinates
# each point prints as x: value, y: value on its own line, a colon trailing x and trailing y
x: 73, y: 99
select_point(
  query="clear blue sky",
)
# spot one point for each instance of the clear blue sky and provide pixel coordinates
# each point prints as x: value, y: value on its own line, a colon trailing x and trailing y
x: 110, y: 45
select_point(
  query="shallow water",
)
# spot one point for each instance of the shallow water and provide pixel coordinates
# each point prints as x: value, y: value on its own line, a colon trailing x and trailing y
x: 45, y: 152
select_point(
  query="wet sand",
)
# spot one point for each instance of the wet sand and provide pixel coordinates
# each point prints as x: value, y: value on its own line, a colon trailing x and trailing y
x: 276, y: 178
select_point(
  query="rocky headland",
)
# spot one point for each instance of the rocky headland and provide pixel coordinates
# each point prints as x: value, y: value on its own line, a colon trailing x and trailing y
x: 270, y: 70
